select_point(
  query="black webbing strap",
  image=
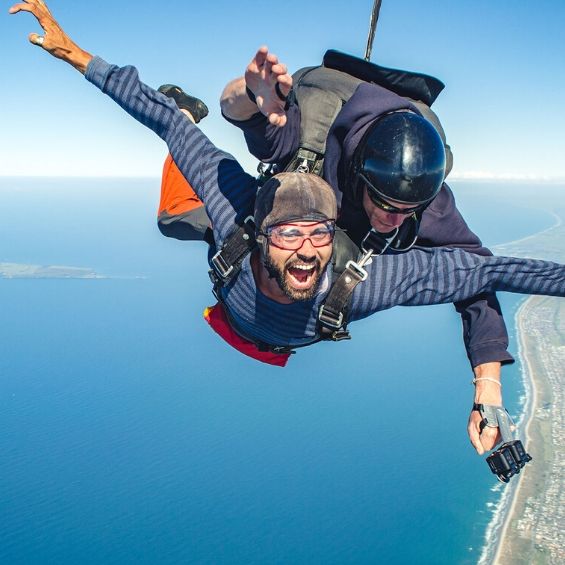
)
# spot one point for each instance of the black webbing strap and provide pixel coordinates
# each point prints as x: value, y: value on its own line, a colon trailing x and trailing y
x: 332, y: 315
x: 226, y: 263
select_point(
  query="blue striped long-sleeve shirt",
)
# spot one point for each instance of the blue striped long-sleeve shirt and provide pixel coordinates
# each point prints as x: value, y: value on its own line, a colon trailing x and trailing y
x: 421, y: 276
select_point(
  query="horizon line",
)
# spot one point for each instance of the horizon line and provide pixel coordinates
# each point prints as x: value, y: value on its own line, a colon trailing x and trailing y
x: 454, y: 176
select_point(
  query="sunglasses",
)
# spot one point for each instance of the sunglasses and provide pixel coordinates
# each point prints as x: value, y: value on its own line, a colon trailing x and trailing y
x: 383, y: 204
x: 291, y: 237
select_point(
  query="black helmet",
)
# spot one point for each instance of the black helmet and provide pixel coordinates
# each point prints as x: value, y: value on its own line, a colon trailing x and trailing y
x: 402, y: 158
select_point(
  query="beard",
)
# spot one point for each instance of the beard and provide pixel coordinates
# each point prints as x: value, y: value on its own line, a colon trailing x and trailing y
x: 281, y: 275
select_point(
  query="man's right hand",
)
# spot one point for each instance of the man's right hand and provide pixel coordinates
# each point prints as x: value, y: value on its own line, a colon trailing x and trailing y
x: 262, y: 75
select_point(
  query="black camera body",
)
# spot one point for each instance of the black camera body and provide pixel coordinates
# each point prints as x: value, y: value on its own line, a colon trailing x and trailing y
x: 508, y: 459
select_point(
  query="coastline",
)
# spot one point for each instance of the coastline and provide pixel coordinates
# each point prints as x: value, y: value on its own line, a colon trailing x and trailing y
x: 525, y: 527
x: 531, y: 531
x: 529, y: 377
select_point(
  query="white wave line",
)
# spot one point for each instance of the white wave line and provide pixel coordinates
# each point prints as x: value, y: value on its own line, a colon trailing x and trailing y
x: 558, y: 223
x: 498, y: 526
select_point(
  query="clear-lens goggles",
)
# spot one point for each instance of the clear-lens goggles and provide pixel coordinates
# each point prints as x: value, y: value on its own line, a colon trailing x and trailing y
x: 291, y: 237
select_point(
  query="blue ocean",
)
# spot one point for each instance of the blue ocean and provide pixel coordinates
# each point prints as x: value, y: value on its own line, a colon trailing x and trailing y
x: 131, y: 434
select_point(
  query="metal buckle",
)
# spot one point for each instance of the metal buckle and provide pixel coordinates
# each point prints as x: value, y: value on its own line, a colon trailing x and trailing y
x: 222, y: 269
x: 357, y: 268
x: 330, y: 320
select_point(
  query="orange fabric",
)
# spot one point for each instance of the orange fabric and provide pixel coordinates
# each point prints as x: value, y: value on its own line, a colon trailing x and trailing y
x: 177, y: 196
x: 218, y: 320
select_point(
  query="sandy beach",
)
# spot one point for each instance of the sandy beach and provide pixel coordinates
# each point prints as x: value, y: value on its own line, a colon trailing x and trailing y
x: 533, y: 513
x: 533, y: 528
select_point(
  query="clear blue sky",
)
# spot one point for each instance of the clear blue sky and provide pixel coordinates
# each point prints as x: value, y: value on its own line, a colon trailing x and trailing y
x: 503, y: 63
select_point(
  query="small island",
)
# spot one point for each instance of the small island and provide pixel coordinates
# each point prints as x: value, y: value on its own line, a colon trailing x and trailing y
x: 24, y: 271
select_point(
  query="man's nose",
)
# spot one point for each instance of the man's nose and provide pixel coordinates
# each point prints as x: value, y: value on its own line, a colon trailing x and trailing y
x: 395, y: 220
x: 306, y: 250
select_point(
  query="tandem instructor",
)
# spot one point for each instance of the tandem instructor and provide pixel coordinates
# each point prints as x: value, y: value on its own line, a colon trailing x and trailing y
x: 275, y: 295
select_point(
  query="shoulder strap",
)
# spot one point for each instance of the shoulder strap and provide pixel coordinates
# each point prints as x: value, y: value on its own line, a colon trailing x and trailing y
x: 333, y: 314
x: 226, y: 263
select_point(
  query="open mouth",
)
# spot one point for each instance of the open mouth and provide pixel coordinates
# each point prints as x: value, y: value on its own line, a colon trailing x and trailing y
x: 302, y: 276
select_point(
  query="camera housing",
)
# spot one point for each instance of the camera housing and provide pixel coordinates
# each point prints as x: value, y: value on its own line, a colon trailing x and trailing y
x: 508, y: 459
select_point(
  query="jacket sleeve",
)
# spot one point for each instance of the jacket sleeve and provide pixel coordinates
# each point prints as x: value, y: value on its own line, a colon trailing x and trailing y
x: 440, y: 275
x: 484, y: 330
x: 217, y: 178
x: 269, y: 143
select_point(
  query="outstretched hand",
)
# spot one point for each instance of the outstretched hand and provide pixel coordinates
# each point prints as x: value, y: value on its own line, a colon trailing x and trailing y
x: 54, y: 40
x: 261, y: 77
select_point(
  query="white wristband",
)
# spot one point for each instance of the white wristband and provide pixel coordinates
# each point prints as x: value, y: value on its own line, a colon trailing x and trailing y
x: 474, y: 381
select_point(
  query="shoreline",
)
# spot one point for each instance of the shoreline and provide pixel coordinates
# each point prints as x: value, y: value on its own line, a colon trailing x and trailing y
x: 508, y: 511
x: 530, y: 531
x: 506, y: 505
x: 524, y: 526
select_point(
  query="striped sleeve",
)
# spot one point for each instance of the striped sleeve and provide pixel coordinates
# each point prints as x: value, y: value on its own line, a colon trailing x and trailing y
x: 219, y: 181
x: 441, y: 275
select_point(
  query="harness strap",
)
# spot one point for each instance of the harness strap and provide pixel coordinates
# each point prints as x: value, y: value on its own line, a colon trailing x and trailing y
x: 332, y: 316
x: 227, y: 261
x: 333, y: 313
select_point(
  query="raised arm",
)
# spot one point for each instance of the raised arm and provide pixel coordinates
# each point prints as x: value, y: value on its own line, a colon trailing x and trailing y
x: 226, y: 190
x: 264, y: 88
x: 256, y: 103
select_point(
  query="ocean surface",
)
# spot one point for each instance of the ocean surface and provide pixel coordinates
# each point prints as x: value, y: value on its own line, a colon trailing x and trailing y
x: 131, y: 434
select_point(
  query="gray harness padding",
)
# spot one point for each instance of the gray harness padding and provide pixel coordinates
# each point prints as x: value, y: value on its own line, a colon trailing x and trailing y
x: 321, y: 92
